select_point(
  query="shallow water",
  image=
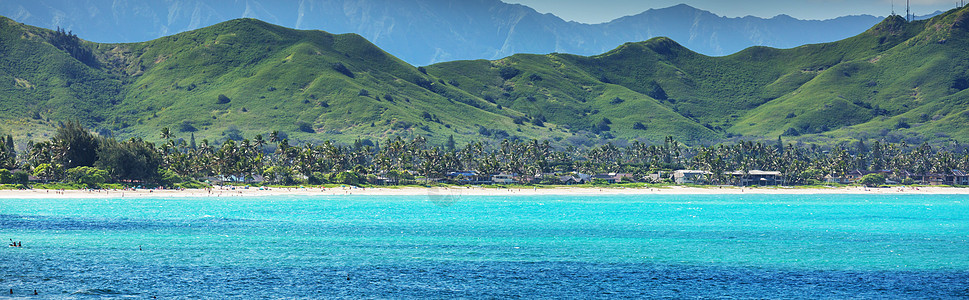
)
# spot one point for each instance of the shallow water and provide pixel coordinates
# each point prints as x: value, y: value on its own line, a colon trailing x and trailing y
x: 708, y: 246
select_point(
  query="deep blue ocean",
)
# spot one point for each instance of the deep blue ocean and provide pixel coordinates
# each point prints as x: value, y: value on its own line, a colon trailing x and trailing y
x: 649, y: 246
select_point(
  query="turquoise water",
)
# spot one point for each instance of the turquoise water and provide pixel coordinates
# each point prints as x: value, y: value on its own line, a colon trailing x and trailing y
x: 832, y: 246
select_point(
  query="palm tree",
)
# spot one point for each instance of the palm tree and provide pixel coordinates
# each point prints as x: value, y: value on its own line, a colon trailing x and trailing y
x: 166, y: 134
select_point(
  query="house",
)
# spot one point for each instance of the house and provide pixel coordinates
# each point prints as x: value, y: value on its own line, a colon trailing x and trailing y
x: 467, y: 177
x: 575, y: 178
x: 856, y: 175
x: 656, y: 177
x: 756, y: 177
x: 935, y: 179
x: 504, y: 178
x: 614, y: 177
x: 377, y: 180
x: 954, y: 177
x: 691, y: 176
x: 960, y: 178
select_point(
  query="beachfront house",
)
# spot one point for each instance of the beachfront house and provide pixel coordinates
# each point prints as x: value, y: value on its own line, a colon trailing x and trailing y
x: 504, y: 178
x: 691, y: 176
x: 960, y: 178
x: 575, y: 178
x: 467, y: 177
x: 954, y: 177
x: 614, y: 177
x: 756, y: 177
x: 656, y: 177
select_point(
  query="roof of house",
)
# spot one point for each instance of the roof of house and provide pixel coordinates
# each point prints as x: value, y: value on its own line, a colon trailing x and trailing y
x: 757, y: 173
x: 690, y: 172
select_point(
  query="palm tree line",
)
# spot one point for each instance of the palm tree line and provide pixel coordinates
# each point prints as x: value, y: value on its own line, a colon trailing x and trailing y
x: 397, y: 160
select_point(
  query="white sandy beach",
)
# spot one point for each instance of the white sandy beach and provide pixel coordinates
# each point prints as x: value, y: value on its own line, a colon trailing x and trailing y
x: 472, y: 191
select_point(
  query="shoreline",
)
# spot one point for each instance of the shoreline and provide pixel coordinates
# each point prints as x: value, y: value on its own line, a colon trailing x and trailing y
x: 472, y: 191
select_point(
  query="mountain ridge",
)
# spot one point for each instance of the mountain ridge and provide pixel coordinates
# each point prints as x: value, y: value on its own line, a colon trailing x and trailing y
x: 423, y: 32
x: 898, y: 80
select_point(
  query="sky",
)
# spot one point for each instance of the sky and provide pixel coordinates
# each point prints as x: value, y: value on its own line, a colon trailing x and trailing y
x: 599, y: 11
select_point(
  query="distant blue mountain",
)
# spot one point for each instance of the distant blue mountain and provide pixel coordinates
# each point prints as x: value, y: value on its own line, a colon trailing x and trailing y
x: 428, y: 31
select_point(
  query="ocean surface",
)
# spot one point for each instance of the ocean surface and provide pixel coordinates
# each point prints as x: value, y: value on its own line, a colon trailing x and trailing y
x: 445, y: 245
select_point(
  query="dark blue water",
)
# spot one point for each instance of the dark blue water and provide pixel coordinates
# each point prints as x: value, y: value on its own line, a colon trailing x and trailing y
x: 489, y: 247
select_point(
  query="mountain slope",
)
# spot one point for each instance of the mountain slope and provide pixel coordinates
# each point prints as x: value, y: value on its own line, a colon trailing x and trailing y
x: 422, y: 32
x: 309, y: 83
x: 894, y: 76
x: 41, y: 81
x: 899, y: 80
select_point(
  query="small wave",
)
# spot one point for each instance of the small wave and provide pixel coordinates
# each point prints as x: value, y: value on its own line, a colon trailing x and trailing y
x: 97, y: 292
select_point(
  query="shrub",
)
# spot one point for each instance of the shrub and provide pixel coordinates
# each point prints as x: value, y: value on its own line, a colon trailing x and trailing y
x: 655, y: 91
x: 872, y: 179
x: 316, y: 178
x: 961, y: 84
x: 639, y: 126
x: 21, y: 177
x: 186, y: 126
x: 791, y: 132
x: 616, y: 100
x: 507, y: 73
x: 304, y: 127
x: 5, y: 176
x: 351, y: 178
x: 223, y: 99
x: 233, y: 133
x: 602, y: 126
x: 169, y: 178
x: 90, y: 176
x: 339, y: 67
x: 538, y: 121
x: 424, y: 83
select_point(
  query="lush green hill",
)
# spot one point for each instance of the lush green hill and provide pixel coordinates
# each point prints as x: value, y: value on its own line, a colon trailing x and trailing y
x: 311, y: 84
x: 900, y: 80
x: 41, y: 83
x: 896, y: 75
x: 243, y: 76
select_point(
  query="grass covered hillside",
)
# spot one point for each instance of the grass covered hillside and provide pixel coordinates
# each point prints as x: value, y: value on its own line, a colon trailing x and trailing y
x: 47, y: 76
x: 905, y: 80
x: 899, y: 81
x: 256, y: 77
x: 244, y: 77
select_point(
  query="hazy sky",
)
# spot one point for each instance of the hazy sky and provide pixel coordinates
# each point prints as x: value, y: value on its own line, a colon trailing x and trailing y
x: 598, y: 11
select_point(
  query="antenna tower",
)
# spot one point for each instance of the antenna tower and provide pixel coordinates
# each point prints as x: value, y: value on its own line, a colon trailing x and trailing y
x: 908, y: 11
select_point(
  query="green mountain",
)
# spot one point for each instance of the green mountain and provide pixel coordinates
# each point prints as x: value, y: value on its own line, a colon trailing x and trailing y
x: 242, y: 76
x: 903, y: 80
x: 898, y: 80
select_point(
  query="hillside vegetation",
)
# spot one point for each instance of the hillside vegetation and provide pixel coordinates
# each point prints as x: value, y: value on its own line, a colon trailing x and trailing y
x: 901, y: 81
